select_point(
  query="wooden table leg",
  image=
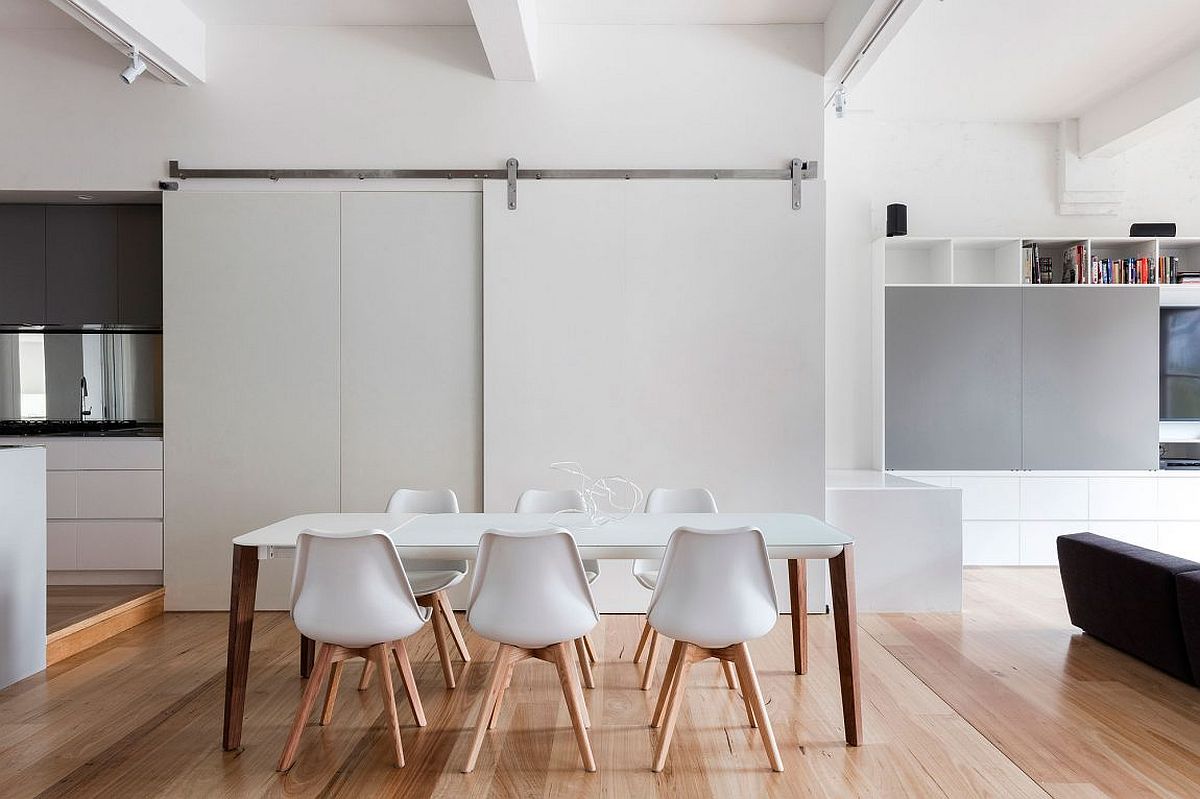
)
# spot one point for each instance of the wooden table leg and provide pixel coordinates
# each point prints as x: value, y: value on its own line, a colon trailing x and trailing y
x: 845, y: 622
x: 244, y: 585
x: 798, y: 583
x: 308, y: 654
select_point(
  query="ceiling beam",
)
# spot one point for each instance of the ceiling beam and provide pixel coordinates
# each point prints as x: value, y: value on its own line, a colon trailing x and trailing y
x: 1164, y: 99
x: 508, y: 30
x: 167, y: 34
x: 856, y: 32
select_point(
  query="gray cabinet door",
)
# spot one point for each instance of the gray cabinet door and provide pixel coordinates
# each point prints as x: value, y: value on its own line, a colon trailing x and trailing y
x: 1090, y: 366
x: 139, y: 267
x: 22, y: 264
x: 81, y: 265
x: 952, y: 390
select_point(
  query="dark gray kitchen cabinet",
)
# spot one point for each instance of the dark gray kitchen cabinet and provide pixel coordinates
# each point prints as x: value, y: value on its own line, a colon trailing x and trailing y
x: 22, y: 264
x: 952, y: 393
x: 1089, y: 372
x: 139, y: 269
x: 81, y: 265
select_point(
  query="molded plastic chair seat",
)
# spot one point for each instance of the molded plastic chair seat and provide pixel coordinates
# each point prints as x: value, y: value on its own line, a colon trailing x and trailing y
x: 646, y: 570
x: 713, y: 595
x: 647, y: 579
x: 430, y: 582
x: 542, y: 500
x: 431, y: 578
x: 531, y: 596
x: 350, y: 593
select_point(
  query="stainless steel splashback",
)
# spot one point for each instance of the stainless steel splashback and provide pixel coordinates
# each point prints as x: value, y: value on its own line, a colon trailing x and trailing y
x: 73, y: 376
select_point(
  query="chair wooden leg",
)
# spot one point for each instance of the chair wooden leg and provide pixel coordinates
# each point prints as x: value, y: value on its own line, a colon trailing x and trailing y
x: 400, y: 653
x: 750, y: 685
x: 679, y: 685
x: 335, y: 679
x: 388, y: 693
x: 439, y: 636
x: 364, y: 681
x: 641, y: 647
x: 591, y: 650
x: 505, y: 655
x: 574, y: 697
x: 585, y: 664
x: 500, y: 697
x: 730, y: 679
x: 668, y: 682
x: 651, y: 657
x: 310, y: 696
x: 460, y: 643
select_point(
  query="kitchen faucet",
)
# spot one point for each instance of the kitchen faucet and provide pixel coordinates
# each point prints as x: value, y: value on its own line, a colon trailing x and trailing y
x: 83, y: 410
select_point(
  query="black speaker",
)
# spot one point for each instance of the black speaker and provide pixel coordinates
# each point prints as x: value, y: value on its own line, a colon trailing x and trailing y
x: 1162, y: 230
x: 897, y: 220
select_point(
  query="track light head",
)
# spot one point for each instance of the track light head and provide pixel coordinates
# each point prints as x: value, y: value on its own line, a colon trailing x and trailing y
x: 136, y: 67
x: 839, y: 102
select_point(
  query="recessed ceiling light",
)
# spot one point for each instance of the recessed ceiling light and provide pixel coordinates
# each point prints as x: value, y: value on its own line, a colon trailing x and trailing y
x: 85, y: 197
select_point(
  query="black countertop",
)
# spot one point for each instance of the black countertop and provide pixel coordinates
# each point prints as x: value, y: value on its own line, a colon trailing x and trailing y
x: 71, y: 428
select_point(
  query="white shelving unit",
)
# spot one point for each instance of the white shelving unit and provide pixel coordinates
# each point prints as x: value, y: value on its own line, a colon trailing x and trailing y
x: 984, y: 261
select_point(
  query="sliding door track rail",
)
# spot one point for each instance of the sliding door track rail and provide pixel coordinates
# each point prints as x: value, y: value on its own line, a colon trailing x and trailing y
x: 796, y: 171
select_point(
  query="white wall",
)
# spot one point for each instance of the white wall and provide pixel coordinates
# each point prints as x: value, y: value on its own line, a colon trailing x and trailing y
x: 652, y: 96
x: 959, y: 179
x: 609, y: 96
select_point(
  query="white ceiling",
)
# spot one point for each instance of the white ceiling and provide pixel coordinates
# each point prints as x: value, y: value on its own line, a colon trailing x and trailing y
x: 1030, y: 60
x: 41, y: 14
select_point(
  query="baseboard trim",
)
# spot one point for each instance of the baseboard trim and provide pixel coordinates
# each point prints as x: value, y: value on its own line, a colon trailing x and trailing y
x: 62, y: 644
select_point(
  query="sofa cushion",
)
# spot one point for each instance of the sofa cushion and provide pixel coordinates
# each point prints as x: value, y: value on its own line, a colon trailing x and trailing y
x: 1126, y: 596
x: 1188, y: 588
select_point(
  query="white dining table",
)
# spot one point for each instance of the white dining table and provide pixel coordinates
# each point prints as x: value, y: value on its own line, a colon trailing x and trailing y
x: 793, y: 537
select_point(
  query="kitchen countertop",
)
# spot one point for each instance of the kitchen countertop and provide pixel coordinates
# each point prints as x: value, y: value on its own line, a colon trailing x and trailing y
x: 851, y: 479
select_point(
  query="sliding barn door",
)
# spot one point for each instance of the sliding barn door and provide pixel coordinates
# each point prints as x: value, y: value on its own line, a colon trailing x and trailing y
x: 250, y: 379
x: 672, y: 332
x: 412, y: 371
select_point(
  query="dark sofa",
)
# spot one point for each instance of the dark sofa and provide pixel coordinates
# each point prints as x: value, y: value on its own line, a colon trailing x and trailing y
x: 1142, y: 602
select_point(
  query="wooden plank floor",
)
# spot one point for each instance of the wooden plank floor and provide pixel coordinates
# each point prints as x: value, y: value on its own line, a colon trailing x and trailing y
x: 70, y: 604
x: 1005, y: 700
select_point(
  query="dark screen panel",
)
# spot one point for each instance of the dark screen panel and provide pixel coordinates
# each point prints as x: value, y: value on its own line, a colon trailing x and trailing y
x: 1179, y: 363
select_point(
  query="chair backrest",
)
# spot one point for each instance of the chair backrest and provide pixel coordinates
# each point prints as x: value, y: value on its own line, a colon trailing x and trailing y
x: 530, y: 589
x: 418, y: 500
x: 542, y: 500
x: 680, y: 500
x: 351, y: 589
x: 715, y: 587
x: 431, y: 500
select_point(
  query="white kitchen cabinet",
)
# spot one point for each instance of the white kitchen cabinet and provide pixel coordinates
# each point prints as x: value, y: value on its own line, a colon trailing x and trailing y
x: 991, y: 543
x: 104, y: 504
x: 1013, y: 518
x: 62, y: 495
x: 1039, y: 545
x: 119, y: 545
x: 1054, y: 498
x: 60, y: 545
x: 989, y: 497
x: 1128, y: 498
x: 1178, y: 499
x: 119, y: 453
x: 120, y: 495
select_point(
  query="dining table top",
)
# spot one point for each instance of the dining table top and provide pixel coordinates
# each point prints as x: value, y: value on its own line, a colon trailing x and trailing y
x: 456, y: 535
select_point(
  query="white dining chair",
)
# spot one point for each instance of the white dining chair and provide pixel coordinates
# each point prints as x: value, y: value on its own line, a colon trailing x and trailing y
x: 645, y: 570
x: 714, y: 593
x: 530, y: 595
x: 350, y: 593
x: 542, y: 500
x: 432, y: 579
